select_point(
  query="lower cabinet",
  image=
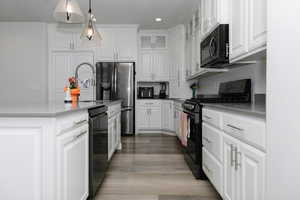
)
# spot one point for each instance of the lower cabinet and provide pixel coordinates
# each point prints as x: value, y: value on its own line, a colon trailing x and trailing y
x: 233, y: 159
x: 167, y: 112
x: 72, y: 163
x: 149, y: 115
x: 114, y: 129
x: 244, y: 171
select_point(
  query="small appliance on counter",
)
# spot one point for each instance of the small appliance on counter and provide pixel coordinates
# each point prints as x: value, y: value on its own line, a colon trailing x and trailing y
x: 146, y: 92
x: 163, y: 91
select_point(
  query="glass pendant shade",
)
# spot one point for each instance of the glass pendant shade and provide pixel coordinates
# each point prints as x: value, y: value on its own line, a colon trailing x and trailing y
x: 68, y: 11
x: 90, y: 35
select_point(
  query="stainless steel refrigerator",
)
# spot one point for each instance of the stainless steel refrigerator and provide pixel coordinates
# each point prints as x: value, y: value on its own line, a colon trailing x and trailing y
x: 116, y: 80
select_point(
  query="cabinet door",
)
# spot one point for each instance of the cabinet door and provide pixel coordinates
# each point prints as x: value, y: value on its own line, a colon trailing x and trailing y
x: 142, y: 117
x: 59, y: 38
x: 213, y: 13
x: 230, y: 176
x: 155, y: 118
x: 110, y: 145
x: 60, y: 72
x: 107, y: 51
x: 73, y: 160
x: 170, y: 116
x: 257, y: 23
x: 251, y: 173
x: 85, y: 74
x: 126, y: 44
x: 119, y: 145
x: 144, y: 70
x: 165, y: 115
x: 160, y: 67
x: 205, y: 8
x: 238, y: 28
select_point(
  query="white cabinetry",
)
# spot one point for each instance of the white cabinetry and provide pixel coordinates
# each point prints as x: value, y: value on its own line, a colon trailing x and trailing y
x: 214, y: 12
x: 167, y: 112
x: 244, y: 171
x: 114, y: 129
x: 73, y: 159
x: 234, y: 158
x: 118, y: 44
x: 62, y: 66
x: 153, y: 57
x: 248, y: 28
x: 177, y: 118
x: 149, y: 115
x: 65, y: 37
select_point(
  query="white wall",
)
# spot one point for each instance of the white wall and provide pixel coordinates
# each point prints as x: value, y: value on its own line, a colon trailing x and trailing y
x: 283, y: 100
x: 23, y: 62
x: 256, y: 72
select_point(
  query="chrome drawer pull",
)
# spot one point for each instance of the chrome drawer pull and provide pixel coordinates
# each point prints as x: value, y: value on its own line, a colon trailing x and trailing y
x: 232, y: 161
x: 234, y: 127
x: 237, y: 155
x: 207, y: 140
x: 207, y: 117
x: 79, y: 135
x: 80, y: 122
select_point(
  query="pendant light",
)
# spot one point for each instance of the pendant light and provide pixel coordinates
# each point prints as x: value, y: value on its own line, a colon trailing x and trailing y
x: 90, y: 35
x: 68, y: 11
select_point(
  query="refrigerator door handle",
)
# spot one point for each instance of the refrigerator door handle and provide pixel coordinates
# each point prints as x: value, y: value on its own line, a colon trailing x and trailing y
x: 126, y: 109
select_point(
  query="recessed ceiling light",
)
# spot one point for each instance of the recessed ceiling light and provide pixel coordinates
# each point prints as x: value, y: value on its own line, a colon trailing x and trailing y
x: 158, y: 19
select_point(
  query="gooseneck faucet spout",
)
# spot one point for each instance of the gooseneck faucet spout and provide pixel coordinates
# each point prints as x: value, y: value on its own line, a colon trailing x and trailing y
x: 93, y: 78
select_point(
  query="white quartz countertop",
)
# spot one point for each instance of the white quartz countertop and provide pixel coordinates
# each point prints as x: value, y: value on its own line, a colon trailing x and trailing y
x: 51, y: 109
x: 247, y: 108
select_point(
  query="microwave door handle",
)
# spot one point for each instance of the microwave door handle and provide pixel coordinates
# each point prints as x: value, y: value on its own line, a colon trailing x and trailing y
x: 211, y: 43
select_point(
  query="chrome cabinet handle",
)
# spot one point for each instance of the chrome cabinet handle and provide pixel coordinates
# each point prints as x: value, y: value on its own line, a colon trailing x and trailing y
x: 207, y: 140
x: 80, y: 134
x: 237, y: 155
x: 232, y: 161
x: 204, y: 165
x: 80, y: 122
x: 207, y: 117
x: 234, y: 127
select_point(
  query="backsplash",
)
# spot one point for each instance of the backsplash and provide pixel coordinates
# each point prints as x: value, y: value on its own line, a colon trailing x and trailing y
x: 256, y: 72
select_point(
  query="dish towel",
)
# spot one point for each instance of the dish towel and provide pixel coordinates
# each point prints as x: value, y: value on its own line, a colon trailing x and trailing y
x: 185, y: 128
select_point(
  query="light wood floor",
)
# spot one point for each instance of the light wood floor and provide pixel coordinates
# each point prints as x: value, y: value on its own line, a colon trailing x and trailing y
x: 152, y: 168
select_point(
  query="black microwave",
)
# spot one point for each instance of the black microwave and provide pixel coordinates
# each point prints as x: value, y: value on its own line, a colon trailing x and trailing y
x: 215, y: 47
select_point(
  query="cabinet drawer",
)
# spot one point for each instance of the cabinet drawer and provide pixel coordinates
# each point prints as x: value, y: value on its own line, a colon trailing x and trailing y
x: 212, y: 140
x: 149, y: 103
x: 213, y: 170
x: 247, y: 129
x: 211, y: 117
x: 70, y: 121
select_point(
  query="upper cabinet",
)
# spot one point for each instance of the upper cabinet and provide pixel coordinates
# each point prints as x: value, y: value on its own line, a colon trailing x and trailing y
x: 118, y: 44
x: 65, y: 37
x: 153, y: 41
x: 153, y: 56
x: 248, y: 28
x: 214, y: 12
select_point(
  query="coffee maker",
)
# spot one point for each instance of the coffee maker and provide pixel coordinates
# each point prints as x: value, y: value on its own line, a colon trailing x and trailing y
x: 163, y: 91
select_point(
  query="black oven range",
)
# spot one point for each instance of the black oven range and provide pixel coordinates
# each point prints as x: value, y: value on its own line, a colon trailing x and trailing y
x: 229, y: 92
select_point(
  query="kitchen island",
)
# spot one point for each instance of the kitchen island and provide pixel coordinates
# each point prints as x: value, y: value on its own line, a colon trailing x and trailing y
x: 44, y: 149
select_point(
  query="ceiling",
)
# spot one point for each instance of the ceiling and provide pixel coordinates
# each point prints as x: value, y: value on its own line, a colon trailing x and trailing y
x: 142, y: 12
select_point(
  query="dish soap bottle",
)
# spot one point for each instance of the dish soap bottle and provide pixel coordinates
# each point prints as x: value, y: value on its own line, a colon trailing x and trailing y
x: 68, y: 98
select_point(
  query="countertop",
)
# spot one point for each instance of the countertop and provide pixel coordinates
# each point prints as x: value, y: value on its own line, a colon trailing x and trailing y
x: 165, y: 99
x: 247, y: 108
x: 51, y: 109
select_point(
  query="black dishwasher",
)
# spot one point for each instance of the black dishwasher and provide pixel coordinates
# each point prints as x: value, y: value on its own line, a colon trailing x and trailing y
x: 98, y: 150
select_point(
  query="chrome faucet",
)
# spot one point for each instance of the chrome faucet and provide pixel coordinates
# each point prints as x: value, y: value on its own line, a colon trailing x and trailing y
x: 92, y: 79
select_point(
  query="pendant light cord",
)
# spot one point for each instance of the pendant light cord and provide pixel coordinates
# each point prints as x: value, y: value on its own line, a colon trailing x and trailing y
x: 90, y: 9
